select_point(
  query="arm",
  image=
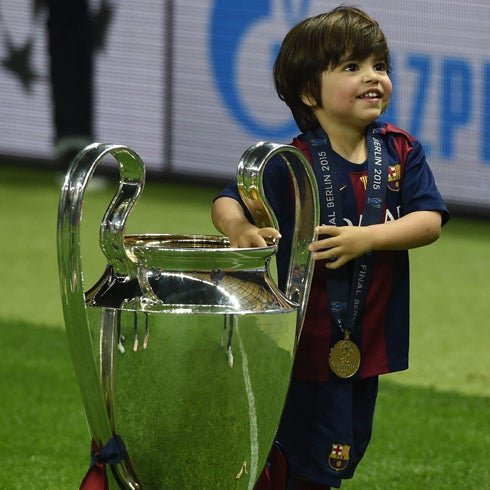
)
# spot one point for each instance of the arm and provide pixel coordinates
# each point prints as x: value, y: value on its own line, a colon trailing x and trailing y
x: 228, y: 217
x: 349, y: 242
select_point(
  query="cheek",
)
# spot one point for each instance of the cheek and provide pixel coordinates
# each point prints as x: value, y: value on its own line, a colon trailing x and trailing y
x: 388, y: 87
x: 345, y: 93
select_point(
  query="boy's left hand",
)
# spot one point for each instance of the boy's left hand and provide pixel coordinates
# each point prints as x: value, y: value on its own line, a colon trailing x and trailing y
x: 342, y: 243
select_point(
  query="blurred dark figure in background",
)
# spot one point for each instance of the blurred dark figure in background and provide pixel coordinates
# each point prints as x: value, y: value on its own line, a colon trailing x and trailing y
x: 71, y: 49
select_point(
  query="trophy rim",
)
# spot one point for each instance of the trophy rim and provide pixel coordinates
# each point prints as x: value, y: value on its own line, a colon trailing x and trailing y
x: 162, y: 250
x: 190, y: 252
x: 186, y: 242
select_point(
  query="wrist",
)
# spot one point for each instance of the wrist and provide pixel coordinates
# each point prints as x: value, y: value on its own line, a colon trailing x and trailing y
x: 373, y: 235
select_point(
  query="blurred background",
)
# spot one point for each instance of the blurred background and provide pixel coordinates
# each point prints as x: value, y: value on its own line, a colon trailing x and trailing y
x: 187, y: 85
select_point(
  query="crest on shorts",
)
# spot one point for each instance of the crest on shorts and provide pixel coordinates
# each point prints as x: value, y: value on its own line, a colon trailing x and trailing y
x: 394, y: 176
x: 339, y: 457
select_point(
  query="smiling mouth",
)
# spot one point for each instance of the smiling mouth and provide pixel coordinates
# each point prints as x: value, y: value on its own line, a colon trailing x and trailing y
x: 370, y: 95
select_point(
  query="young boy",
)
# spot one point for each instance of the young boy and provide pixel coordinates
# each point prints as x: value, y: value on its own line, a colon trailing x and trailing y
x: 378, y: 199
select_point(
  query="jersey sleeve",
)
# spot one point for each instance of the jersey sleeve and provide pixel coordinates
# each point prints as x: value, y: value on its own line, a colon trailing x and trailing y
x: 419, y: 190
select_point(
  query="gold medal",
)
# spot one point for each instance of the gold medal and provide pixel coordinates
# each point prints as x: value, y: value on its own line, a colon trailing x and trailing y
x: 345, y: 358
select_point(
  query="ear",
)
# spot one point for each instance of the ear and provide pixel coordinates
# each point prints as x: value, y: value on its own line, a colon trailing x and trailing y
x: 308, y: 100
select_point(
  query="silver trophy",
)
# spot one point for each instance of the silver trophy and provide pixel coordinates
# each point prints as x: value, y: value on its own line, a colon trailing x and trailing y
x: 183, y: 348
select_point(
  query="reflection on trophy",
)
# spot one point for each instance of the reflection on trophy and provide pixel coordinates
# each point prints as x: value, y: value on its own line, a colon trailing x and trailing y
x: 183, y: 348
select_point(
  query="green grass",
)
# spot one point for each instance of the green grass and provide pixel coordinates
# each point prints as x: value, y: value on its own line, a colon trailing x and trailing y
x: 43, y: 435
x: 432, y: 422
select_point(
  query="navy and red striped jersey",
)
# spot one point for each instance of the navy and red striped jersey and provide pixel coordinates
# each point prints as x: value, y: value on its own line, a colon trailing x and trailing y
x: 383, y: 332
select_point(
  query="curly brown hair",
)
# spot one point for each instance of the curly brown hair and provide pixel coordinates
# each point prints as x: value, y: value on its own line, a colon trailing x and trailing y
x: 319, y: 43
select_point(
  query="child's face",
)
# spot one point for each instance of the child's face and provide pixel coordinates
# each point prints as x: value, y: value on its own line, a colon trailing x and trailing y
x: 354, y: 94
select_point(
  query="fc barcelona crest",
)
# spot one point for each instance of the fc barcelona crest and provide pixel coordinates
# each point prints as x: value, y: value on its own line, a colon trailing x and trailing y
x: 339, y: 457
x: 394, y: 176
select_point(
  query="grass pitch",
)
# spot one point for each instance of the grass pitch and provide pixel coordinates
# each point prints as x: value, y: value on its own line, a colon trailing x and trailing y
x: 432, y: 422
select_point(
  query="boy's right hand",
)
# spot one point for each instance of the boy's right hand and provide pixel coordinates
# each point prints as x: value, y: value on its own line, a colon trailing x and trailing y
x: 247, y: 235
x: 229, y: 219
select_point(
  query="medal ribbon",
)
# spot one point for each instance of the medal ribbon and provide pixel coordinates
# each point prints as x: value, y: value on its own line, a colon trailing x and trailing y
x: 346, y: 301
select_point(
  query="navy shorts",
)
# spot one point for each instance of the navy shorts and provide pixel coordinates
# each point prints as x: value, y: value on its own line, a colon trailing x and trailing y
x: 326, y: 427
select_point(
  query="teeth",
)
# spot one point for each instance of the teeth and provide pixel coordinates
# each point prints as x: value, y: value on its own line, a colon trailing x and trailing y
x: 371, y: 95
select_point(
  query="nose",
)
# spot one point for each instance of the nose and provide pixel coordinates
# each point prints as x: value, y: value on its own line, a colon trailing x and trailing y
x: 370, y: 75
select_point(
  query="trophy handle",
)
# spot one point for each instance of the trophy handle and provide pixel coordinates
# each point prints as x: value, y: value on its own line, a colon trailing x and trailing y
x: 307, y: 211
x: 132, y: 176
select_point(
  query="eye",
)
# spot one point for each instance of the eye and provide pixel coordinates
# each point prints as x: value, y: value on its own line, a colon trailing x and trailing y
x: 351, y: 67
x: 381, y: 66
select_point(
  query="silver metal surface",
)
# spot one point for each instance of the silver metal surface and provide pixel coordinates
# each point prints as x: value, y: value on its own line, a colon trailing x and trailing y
x: 184, y: 346
x: 84, y: 352
x: 307, y: 211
